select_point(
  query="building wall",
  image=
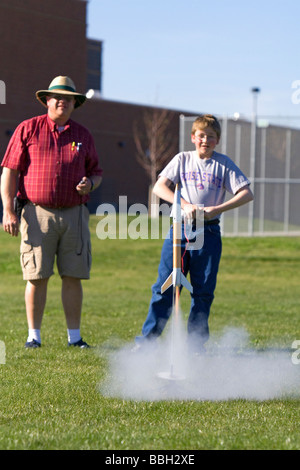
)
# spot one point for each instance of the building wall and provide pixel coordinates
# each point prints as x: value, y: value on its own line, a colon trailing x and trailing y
x: 41, y: 39
x: 111, y: 124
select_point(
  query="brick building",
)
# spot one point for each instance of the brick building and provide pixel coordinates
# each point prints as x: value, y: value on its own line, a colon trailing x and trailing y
x: 41, y: 39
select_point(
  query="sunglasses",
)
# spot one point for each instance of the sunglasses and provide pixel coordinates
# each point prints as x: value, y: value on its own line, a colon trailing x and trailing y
x: 57, y: 97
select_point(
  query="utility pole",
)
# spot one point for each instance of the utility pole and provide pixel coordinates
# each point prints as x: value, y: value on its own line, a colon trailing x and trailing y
x: 254, y: 91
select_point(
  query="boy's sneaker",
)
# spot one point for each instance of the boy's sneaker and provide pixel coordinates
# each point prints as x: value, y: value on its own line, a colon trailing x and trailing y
x: 136, y: 348
x: 199, y: 351
x: 32, y: 344
x: 146, y: 346
x: 80, y: 344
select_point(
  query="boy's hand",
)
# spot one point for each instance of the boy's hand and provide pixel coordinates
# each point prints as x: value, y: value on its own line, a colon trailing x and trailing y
x: 190, y: 211
x: 210, y: 212
x: 193, y: 211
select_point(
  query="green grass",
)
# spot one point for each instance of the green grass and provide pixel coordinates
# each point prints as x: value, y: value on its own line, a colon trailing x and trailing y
x: 50, y: 399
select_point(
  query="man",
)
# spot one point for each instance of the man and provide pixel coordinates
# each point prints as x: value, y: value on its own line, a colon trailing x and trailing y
x: 55, y: 163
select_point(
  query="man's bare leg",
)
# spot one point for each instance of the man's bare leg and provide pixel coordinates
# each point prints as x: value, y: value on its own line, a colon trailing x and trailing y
x: 72, y: 296
x: 35, y: 301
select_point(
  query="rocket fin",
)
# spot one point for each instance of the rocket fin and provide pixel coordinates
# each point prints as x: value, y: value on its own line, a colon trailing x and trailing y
x: 168, y: 283
x: 186, y: 283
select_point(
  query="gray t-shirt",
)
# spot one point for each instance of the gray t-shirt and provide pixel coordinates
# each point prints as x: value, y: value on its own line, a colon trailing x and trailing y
x: 205, y: 181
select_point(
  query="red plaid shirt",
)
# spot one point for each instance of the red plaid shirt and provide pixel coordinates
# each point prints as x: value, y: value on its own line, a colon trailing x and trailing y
x: 51, y: 163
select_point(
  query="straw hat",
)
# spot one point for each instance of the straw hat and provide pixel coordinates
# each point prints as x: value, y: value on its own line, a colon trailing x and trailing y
x: 61, y: 86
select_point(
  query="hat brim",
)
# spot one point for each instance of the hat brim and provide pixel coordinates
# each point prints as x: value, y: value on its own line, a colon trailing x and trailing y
x: 41, y: 96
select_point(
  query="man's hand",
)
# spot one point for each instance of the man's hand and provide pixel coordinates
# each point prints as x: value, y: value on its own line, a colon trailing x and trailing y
x: 10, y: 223
x: 88, y: 184
x: 84, y: 187
x: 10, y: 219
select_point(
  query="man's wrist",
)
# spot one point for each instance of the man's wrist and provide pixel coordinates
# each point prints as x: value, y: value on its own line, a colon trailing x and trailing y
x: 92, y: 184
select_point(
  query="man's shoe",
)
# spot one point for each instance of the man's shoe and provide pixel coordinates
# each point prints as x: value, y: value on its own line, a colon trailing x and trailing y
x: 80, y: 344
x: 32, y: 344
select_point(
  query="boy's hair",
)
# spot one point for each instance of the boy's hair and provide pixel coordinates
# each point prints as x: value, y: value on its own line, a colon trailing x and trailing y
x: 207, y: 120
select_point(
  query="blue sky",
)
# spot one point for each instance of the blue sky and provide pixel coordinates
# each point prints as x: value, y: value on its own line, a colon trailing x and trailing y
x: 200, y: 56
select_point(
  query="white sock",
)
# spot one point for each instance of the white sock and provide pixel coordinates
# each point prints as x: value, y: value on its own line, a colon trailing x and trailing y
x: 34, y: 334
x: 73, y: 336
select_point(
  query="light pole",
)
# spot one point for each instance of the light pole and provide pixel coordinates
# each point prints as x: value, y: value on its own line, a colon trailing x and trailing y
x: 254, y: 91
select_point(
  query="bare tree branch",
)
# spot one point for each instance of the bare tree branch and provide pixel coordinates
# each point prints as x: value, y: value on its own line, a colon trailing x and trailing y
x: 155, y: 143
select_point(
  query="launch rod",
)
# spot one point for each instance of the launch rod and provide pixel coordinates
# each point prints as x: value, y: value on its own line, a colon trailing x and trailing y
x: 177, y: 295
x: 177, y: 227
x: 176, y: 280
x: 175, y: 320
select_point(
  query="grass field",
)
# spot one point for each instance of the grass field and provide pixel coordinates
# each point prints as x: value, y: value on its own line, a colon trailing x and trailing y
x: 50, y: 399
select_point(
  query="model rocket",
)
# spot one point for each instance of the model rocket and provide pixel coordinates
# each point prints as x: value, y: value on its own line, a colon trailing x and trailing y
x: 176, y: 278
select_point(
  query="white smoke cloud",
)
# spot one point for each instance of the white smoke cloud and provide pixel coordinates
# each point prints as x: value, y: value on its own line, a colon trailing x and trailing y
x: 230, y: 369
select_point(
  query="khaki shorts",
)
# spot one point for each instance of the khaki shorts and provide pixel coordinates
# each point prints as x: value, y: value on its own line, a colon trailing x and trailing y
x: 49, y: 233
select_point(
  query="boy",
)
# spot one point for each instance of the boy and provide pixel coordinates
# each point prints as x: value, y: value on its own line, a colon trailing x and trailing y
x: 204, y: 176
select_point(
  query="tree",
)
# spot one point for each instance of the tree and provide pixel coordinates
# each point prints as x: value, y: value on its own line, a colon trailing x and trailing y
x: 156, y: 145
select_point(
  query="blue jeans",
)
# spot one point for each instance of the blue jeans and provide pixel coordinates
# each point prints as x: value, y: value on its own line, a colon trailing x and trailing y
x: 203, y: 265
